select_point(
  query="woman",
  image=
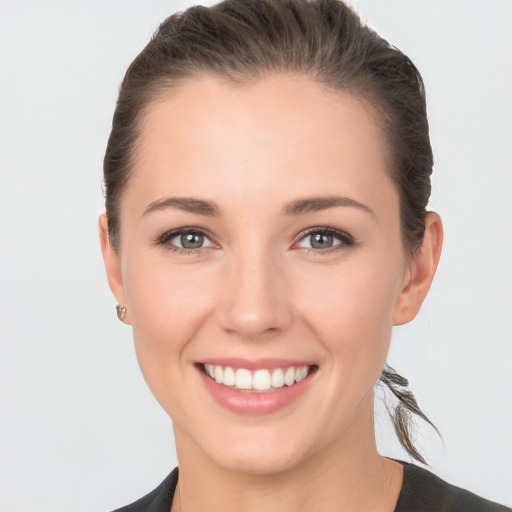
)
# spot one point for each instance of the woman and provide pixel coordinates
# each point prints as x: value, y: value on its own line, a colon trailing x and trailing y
x: 267, y: 177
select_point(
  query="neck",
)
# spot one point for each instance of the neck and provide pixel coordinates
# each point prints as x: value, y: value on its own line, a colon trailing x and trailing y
x: 347, y: 475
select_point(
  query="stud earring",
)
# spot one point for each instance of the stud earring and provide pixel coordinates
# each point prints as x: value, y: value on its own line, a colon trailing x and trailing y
x: 121, y: 312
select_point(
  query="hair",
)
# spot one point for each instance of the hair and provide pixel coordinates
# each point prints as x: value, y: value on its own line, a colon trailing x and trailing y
x: 245, y: 40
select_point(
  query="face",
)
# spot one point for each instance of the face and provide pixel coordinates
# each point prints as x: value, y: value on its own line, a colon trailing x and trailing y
x: 261, y: 244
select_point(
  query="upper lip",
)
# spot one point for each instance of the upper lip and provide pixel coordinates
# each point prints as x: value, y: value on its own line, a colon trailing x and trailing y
x: 255, y: 364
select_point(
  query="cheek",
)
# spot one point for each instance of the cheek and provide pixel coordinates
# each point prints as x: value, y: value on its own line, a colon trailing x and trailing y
x: 167, y: 305
x: 353, y: 315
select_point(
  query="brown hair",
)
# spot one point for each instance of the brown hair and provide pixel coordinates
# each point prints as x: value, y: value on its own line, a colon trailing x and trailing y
x: 243, y: 40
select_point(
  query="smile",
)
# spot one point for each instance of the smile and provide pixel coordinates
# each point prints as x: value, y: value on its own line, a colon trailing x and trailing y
x: 261, y: 380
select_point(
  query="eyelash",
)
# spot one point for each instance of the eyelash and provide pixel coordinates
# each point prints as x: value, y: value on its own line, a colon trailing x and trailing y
x: 346, y: 240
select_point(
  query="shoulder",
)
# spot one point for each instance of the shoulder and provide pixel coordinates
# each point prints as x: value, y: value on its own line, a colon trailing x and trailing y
x: 422, y: 491
x: 158, y: 500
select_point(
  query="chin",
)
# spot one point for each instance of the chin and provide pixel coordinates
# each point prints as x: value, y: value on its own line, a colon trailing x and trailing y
x: 258, y: 461
x: 254, y: 450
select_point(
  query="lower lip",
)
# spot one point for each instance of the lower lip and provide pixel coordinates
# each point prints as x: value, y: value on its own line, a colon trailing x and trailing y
x: 244, y: 402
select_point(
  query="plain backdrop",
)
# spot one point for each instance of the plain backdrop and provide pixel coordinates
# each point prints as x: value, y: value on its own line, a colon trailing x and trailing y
x: 79, y: 430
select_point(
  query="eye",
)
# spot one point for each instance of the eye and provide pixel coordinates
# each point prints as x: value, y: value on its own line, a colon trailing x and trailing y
x: 185, y: 240
x: 325, y: 239
x: 193, y: 240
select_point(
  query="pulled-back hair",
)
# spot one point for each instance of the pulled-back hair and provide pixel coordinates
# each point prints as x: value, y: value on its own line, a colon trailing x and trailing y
x: 244, y: 40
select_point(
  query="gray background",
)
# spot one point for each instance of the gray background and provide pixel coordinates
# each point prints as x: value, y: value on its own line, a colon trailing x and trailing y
x: 79, y: 431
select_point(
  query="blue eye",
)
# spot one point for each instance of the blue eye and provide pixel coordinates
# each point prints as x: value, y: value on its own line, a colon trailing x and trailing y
x: 185, y: 240
x: 190, y: 240
x: 326, y: 239
x: 193, y: 240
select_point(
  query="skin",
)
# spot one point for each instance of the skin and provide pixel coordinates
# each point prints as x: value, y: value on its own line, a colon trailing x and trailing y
x: 258, y: 288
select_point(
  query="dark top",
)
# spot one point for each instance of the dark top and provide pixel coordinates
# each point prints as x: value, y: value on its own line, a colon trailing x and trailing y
x: 422, y: 491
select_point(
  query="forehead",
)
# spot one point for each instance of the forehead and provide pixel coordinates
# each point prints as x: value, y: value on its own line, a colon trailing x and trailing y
x: 289, y: 105
x: 284, y: 131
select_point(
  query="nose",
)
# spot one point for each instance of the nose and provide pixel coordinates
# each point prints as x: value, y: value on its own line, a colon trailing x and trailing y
x: 256, y: 304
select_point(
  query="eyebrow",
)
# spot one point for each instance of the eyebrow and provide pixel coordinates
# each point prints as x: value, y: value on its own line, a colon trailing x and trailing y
x: 315, y: 204
x: 186, y: 204
x: 296, y: 207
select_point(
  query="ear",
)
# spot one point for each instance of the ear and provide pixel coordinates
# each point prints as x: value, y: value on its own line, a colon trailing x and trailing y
x: 112, y: 265
x: 421, y: 271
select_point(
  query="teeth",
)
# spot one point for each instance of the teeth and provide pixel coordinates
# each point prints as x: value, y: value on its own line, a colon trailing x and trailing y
x: 289, y: 377
x: 260, y: 380
x: 277, y: 378
x: 229, y: 377
x: 301, y: 373
x: 243, y: 378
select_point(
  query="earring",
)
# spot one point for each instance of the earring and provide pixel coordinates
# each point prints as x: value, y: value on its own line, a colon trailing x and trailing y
x: 121, y: 312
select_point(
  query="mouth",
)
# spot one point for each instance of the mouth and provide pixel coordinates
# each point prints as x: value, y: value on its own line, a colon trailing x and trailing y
x: 262, y: 380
